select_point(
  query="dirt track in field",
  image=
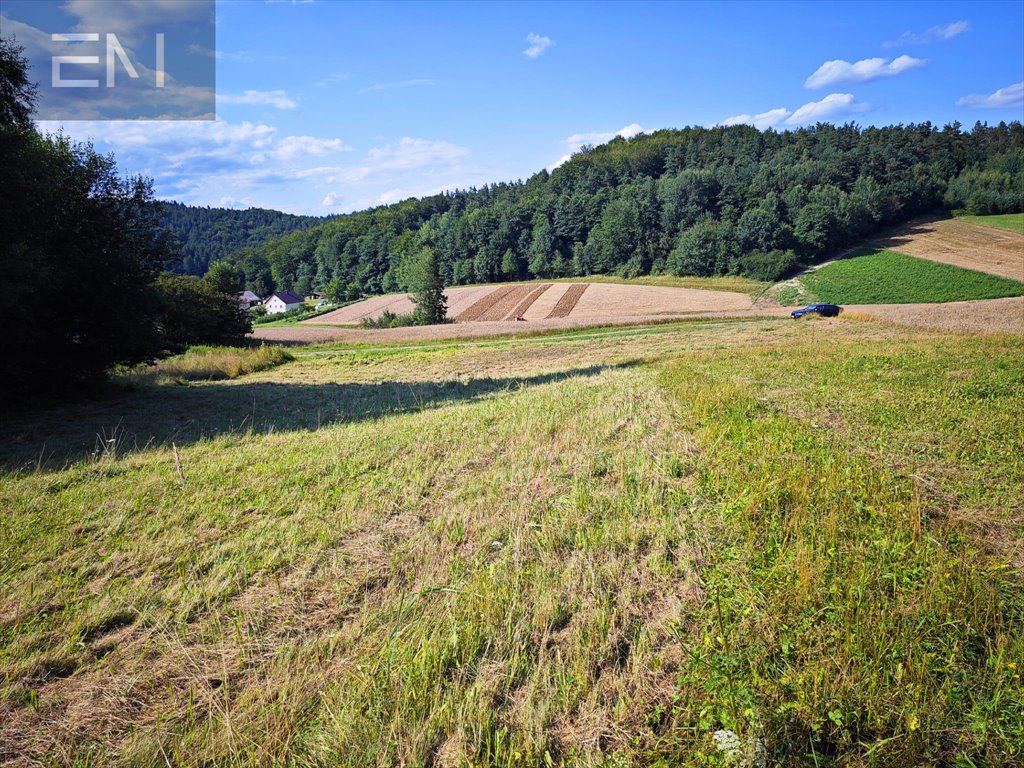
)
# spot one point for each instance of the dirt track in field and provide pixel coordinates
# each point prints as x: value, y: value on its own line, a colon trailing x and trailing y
x: 528, y: 302
x: 476, y: 310
x: 960, y: 243
x: 500, y: 309
x: 568, y: 302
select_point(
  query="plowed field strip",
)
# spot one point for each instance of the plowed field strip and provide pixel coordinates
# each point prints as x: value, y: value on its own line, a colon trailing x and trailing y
x: 504, y: 305
x: 526, y: 303
x: 568, y: 301
x: 481, y: 305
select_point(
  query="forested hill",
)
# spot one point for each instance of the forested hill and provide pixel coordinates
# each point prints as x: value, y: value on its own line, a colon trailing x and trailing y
x: 208, y: 234
x: 692, y: 201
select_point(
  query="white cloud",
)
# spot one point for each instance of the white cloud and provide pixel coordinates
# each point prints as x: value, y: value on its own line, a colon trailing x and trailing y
x: 338, y: 77
x: 578, y: 140
x: 414, y: 153
x: 234, y: 202
x: 833, y: 105
x: 538, y: 44
x: 296, y: 146
x: 229, y: 55
x: 839, y: 71
x: 390, y: 196
x: 133, y: 20
x: 930, y: 35
x: 203, y: 161
x: 760, y: 121
x: 410, y: 167
x: 403, y: 84
x: 252, y: 163
x: 130, y: 134
x: 278, y: 99
x: 1012, y: 96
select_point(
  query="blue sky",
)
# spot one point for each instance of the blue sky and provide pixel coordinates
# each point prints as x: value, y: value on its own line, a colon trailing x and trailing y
x: 328, y: 107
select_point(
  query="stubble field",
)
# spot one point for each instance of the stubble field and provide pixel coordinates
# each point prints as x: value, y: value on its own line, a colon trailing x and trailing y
x: 977, y: 244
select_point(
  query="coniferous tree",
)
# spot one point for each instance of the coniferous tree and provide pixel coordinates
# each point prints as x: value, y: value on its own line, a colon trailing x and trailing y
x: 431, y: 303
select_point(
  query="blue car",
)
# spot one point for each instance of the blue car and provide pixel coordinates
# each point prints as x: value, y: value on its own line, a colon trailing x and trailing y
x: 825, y: 310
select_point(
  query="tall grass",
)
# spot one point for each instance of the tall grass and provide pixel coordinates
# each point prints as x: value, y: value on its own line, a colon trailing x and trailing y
x: 851, y: 616
x: 209, y: 364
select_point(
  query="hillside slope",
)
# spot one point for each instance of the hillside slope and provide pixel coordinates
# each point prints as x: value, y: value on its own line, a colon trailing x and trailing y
x: 967, y: 244
x: 208, y: 234
x: 582, y: 551
x: 694, y: 201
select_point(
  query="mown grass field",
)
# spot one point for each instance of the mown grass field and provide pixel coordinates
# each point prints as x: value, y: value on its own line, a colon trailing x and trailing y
x: 1011, y: 221
x: 888, y: 277
x: 591, y: 549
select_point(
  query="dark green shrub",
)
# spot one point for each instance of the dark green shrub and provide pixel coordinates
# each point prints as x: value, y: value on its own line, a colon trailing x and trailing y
x: 769, y: 266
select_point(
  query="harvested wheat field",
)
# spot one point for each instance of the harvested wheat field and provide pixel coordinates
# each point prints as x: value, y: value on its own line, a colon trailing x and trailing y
x: 604, y: 302
x: 989, y: 315
x: 399, y: 303
x: 962, y: 244
x: 492, y: 310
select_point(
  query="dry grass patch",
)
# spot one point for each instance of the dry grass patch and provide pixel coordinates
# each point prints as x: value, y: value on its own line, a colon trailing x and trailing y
x: 209, y: 364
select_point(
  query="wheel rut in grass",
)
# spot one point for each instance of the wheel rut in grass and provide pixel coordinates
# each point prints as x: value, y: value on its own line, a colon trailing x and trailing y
x: 567, y: 303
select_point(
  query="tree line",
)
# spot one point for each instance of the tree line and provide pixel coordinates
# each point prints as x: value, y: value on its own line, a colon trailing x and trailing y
x: 696, y: 201
x: 82, y: 252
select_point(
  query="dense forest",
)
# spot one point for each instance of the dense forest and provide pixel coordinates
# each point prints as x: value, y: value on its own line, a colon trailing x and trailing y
x: 205, y: 234
x: 694, y: 201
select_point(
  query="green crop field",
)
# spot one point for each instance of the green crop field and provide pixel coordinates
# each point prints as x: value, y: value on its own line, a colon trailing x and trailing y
x: 887, y: 277
x: 1012, y: 221
x: 593, y: 549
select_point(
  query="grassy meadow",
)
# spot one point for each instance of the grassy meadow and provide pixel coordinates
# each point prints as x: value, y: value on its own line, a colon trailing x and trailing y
x: 595, y: 549
x: 888, y: 277
x: 1011, y: 221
